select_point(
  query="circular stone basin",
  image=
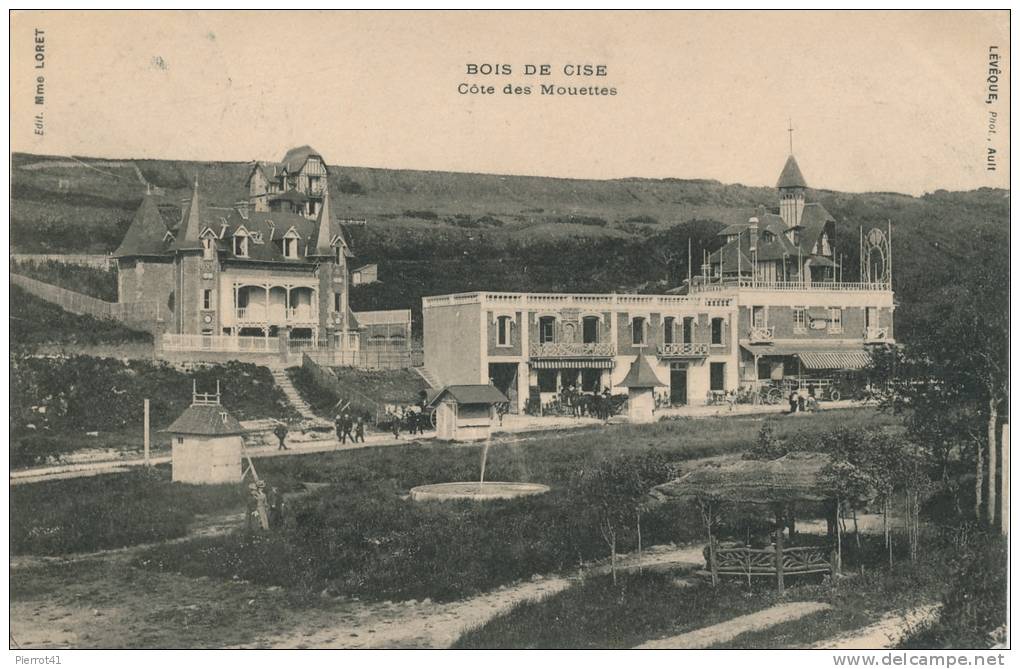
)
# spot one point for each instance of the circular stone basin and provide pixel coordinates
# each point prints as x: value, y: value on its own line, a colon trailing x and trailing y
x: 472, y: 490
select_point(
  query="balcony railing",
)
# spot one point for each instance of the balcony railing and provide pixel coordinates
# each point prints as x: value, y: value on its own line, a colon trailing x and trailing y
x: 716, y: 285
x: 876, y: 334
x: 571, y: 350
x: 680, y: 350
x: 761, y: 335
x: 242, y: 314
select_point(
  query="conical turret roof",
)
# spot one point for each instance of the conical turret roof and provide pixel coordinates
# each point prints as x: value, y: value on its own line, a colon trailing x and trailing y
x: 147, y: 233
x: 641, y: 375
x: 791, y: 176
x: 188, y: 239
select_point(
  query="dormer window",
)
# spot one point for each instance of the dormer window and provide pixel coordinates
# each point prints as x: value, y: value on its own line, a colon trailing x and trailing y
x: 826, y: 249
x: 241, y: 244
x: 290, y: 244
x: 208, y: 249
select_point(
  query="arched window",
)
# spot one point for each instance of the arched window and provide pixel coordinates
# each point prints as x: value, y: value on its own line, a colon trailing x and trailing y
x: 638, y: 330
x: 503, y: 334
x: 668, y: 330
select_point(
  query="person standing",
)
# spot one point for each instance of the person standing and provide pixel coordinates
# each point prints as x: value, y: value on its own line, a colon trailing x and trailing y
x: 395, y: 426
x: 338, y: 426
x: 281, y: 434
x: 359, y: 430
x: 348, y: 427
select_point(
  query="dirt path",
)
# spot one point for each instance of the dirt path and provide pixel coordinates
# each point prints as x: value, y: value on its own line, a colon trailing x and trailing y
x: 724, y: 631
x: 427, y: 625
x: 885, y: 633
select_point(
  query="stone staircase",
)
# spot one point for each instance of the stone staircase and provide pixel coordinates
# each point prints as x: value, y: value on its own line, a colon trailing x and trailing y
x: 283, y: 381
x: 429, y: 377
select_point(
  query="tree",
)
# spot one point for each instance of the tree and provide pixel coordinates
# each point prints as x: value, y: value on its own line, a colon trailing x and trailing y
x: 952, y: 376
x: 614, y: 491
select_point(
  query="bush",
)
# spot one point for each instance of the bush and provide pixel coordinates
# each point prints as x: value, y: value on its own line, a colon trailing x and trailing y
x: 643, y: 218
x: 975, y: 604
x: 37, y: 449
x: 582, y: 220
x: 423, y: 214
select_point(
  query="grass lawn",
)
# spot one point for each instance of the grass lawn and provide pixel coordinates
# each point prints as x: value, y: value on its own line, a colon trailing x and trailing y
x: 109, y: 511
x: 651, y: 606
x: 360, y: 536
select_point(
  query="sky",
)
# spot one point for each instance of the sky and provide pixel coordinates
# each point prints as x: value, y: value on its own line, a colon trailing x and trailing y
x: 879, y: 101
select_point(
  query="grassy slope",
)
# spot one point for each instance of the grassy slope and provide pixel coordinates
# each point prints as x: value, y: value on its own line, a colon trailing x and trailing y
x: 35, y: 321
x: 534, y: 248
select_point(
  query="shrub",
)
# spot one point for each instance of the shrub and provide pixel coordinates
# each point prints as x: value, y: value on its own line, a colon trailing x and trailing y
x: 582, y: 220
x: 423, y: 214
x: 643, y: 218
x: 975, y: 603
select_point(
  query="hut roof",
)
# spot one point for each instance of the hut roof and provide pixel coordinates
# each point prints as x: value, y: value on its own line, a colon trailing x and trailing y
x: 471, y: 394
x: 641, y: 375
x: 207, y: 420
x: 798, y: 476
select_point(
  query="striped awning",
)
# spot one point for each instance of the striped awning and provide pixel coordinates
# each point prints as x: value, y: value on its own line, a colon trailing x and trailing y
x: 573, y: 364
x: 835, y: 359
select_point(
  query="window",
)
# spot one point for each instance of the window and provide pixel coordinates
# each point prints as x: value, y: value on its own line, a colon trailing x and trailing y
x: 758, y: 317
x: 717, y: 374
x: 546, y: 329
x: 503, y: 331
x: 689, y: 330
x: 637, y: 333
x: 717, y: 336
x: 871, y: 317
x: 241, y: 246
x: 207, y: 298
x: 338, y: 302
x: 835, y: 320
x: 290, y: 248
x: 799, y: 319
x: 547, y: 380
x: 339, y: 255
x: 668, y: 330
x: 208, y: 249
x: 590, y: 330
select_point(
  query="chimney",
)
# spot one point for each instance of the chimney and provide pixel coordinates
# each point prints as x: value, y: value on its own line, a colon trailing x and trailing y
x: 754, y: 233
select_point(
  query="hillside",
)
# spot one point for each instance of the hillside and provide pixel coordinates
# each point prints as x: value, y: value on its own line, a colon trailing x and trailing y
x: 435, y: 232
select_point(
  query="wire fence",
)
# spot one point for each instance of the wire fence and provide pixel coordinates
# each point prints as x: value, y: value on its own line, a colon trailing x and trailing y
x: 145, y: 315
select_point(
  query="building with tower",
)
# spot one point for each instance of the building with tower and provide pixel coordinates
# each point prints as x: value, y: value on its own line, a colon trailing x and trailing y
x: 770, y: 309
x: 236, y: 279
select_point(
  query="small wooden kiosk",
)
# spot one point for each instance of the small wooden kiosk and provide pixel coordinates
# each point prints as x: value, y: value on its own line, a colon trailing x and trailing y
x: 466, y: 412
x: 641, y: 383
x: 206, y: 442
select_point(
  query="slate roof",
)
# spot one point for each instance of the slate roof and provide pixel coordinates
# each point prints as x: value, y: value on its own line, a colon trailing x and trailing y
x: 147, y: 232
x: 207, y: 420
x: 146, y: 236
x: 641, y: 375
x: 471, y: 394
x: 791, y: 176
x: 296, y: 158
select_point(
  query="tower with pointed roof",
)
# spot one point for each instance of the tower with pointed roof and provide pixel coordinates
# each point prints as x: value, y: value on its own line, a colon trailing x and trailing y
x: 791, y: 187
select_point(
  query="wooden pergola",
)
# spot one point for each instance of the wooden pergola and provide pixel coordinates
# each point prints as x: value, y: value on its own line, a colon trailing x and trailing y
x: 795, y: 477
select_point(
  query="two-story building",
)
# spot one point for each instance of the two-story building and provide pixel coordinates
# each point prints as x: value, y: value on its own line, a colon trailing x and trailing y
x: 530, y: 344
x: 770, y: 305
x: 797, y: 318
x: 296, y: 184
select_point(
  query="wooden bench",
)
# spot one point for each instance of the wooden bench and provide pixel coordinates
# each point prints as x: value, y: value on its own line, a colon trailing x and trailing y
x: 748, y: 562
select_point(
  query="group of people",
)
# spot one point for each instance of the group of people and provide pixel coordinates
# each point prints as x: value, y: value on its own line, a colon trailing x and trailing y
x: 580, y: 403
x: 265, y: 506
x: 413, y: 419
x: 803, y: 399
x: 349, y: 427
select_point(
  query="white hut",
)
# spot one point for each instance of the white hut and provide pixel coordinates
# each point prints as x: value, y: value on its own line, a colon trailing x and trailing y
x: 641, y: 383
x: 206, y: 442
x: 466, y: 412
